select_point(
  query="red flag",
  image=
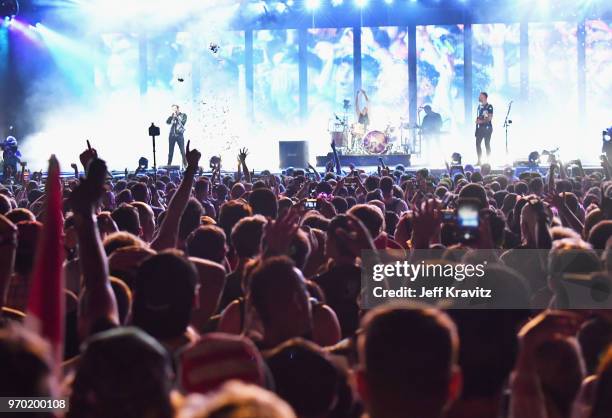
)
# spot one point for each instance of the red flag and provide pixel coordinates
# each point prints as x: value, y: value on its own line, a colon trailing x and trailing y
x: 45, y: 313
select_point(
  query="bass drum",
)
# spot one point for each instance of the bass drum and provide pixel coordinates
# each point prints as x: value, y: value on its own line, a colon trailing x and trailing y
x: 375, y: 142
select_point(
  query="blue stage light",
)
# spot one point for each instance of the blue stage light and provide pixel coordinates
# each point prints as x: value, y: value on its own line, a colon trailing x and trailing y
x: 361, y: 3
x: 337, y: 2
x: 389, y: 1
x: 313, y: 4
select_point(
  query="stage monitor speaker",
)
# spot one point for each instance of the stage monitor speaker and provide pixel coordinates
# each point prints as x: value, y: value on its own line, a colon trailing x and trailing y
x: 293, y: 154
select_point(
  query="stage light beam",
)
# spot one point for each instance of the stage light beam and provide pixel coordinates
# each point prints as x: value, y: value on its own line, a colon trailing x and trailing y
x: 361, y: 3
x: 313, y: 4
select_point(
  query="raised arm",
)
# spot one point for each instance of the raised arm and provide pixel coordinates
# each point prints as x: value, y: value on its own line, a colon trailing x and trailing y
x: 242, y: 156
x: 97, y: 302
x: 336, y: 159
x: 168, y: 231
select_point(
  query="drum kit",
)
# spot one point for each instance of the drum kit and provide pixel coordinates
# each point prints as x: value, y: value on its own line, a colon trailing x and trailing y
x: 355, y: 139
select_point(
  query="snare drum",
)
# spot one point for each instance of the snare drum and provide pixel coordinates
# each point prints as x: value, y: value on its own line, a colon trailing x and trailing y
x: 375, y: 142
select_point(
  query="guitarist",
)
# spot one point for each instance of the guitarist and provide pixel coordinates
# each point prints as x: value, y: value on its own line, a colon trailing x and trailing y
x: 484, y: 127
x: 177, y: 123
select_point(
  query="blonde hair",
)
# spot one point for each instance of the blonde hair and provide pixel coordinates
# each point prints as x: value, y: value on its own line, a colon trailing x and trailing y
x: 237, y: 400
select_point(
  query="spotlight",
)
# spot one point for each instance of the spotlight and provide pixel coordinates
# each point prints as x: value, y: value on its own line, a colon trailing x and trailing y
x: 336, y: 3
x: 361, y: 3
x: 9, y: 8
x: 312, y: 4
x: 389, y: 1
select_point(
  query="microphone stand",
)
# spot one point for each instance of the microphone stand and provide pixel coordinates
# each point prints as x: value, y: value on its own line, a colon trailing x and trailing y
x: 507, y: 123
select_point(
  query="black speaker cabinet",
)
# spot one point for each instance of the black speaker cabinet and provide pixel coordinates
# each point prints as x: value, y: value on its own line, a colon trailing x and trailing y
x: 293, y: 154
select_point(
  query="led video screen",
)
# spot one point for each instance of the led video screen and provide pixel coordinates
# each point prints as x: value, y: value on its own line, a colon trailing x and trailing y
x: 384, y: 73
x: 330, y: 70
x: 496, y: 64
x: 440, y: 52
x: 598, y: 74
x: 553, y: 75
x: 119, y: 65
x: 276, y: 91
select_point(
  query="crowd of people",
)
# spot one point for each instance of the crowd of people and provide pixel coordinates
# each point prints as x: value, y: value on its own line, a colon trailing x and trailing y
x: 238, y: 295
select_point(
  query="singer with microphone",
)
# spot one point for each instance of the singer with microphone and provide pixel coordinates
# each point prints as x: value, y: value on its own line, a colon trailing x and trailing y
x: 484, y: 127
x: 177, y: 123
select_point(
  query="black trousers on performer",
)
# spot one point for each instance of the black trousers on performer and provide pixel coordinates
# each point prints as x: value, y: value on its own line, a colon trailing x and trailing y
x: 176, y: 140
x: 483, y: 133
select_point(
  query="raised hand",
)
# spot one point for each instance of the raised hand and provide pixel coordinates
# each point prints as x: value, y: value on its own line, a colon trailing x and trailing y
x: 544, y: 327
x: 85, y: 197
x: 88, y: 155
x: 356, y: 238
x: 242, y: 154
x: 427, y: 223
x: 192, y: 156
x: 279, y: 234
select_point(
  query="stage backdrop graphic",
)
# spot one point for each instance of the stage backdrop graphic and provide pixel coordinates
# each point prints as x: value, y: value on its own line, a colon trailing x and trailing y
x: 384, y: 73
x: 598, y: 77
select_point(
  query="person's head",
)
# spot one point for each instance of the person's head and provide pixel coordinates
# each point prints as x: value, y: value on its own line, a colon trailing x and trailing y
x: 164, y: 294
x: 25, y: 363
x: 202, y: 188
x: 207, y: 242
x: 124, y: 196
x: 408, y: 359
x: 240, y: 400
x: 246, y: 236
x: 334, y: 247
x: 20, y: 215
x: 371, y: 216
x: 122, y: 373
x: 120, y: 240
x: 140, y: 193
x: 483, y: 97
x: 237, y: 191
x: 521, y: 188
x: 340, y: 203
x: 536, y: 186
x: 175, y: 108
x: 230, y: 213
x: 599, y: 234
x: 5, y: 204
x: 427, y: 109
x: 386, y: 185
x: 191, y: 218
x: 486, y: 358
x: 217, y: 358
x: 127, y: 219
x: 263, y: 202
x: 475, y: 192
x: 560, y: 368
x: 147, y: 220
x: 372, y: 183
x: 295, y: 365
x: 315, y: 220
x: 278, y: 293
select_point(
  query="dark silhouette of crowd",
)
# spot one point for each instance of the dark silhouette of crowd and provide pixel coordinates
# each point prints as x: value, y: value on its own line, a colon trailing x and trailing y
x: 238, y: 295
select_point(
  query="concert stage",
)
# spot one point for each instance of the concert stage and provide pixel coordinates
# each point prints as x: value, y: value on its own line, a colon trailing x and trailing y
x: 363, y: 160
